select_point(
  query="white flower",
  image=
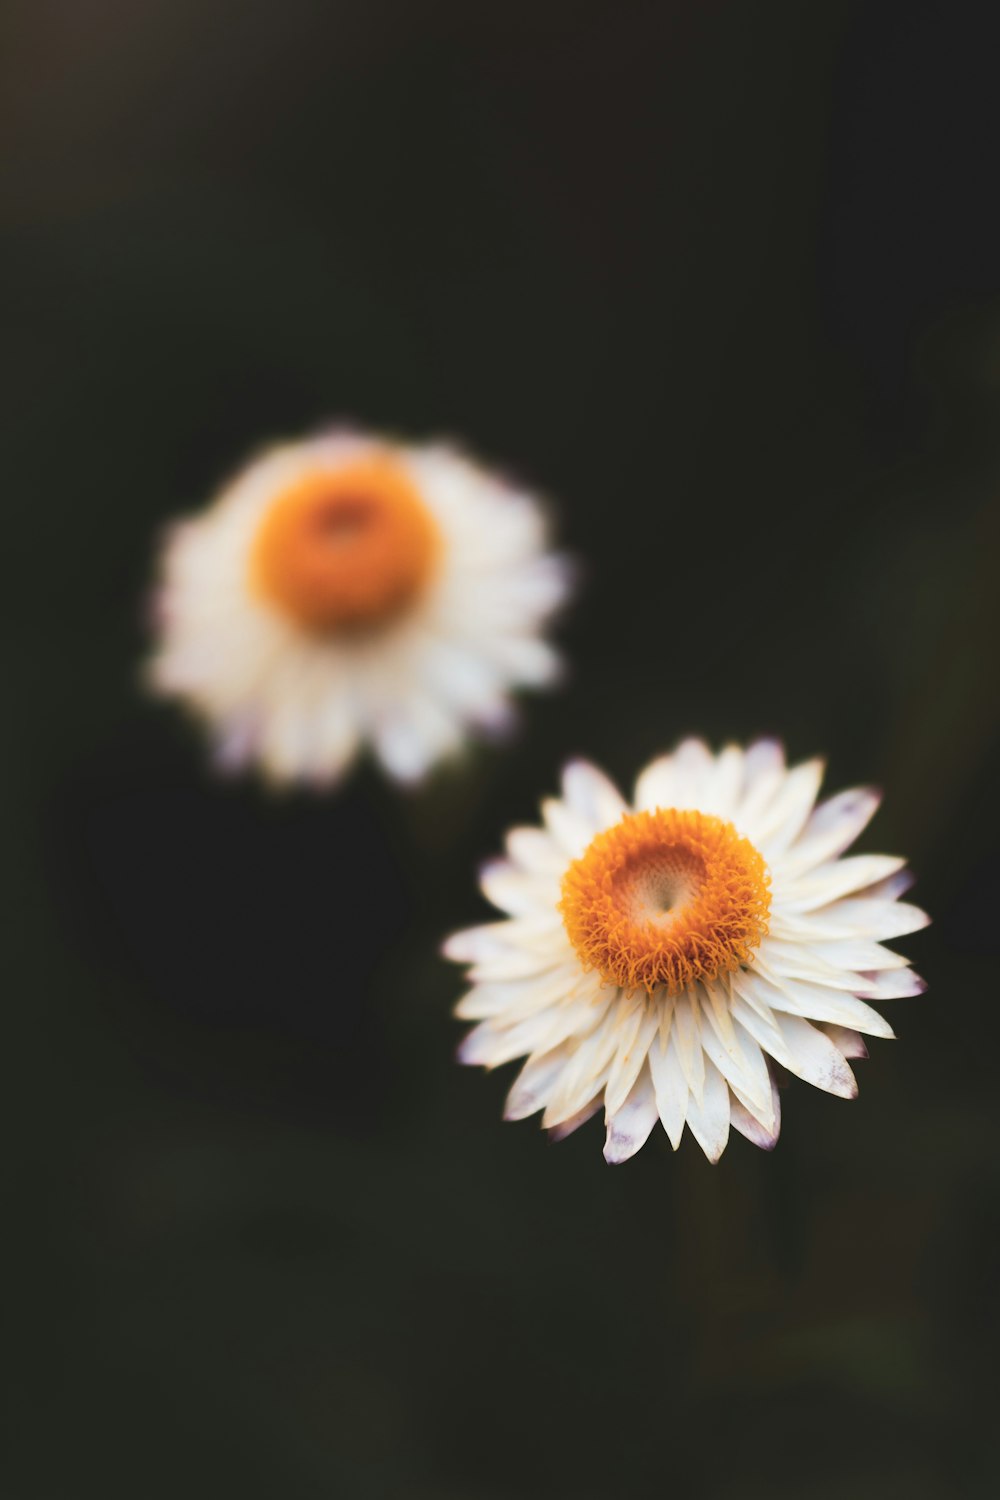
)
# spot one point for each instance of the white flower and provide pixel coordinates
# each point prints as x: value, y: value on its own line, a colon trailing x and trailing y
x: 347, y: 589
x: 657, y: 960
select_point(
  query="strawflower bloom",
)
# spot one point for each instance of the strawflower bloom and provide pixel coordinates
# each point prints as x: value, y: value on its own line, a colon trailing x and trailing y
x: 661, y: 960
x: 347, y: 589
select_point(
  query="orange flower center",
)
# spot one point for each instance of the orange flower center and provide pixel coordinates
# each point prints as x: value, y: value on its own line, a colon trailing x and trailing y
x: 666, y: 898
x: 346, y: 549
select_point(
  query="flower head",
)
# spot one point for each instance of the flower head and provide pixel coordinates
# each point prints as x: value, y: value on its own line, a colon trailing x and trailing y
x: 347, y: 589
x: 659, y: 960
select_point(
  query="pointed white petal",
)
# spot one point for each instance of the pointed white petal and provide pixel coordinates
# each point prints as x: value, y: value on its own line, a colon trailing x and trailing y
x: 534, y: 1084
x: 833, y: 826
x: 524, y: 659
x: 763, y: 774
x: 724, y: 784
x: 892, y: 887
x: 517, y: 893
x: 473, y: 943
x: 761, y: 1132
x: 812, y: 1056
x: 693, y: 763
x: 517, y: 963
x: 585, y: 1073
x: 750, y: 1008
x: 686, y: 1034
x: 671, y: 1088
x: 655, y: 785
x: 571, y: 832
x: 479, y: 1004
x: 631, y: 1123
x: 777, y: 824
x: 815, y: 1002
x: 592, y: 796
x: 777, y: 960
x: 417, y: 733
x: 544, y: 935
x: 566, y: 1127
x: 896, y: 984
x: 873, y: 918
x: 764, y: 760
x: 738, y: 1058
x: 635, y: 1036
x: 839, y: 878
x: 536, y: 852
x: 518, y: 997
x: 709, y: 1119
x: 849, y: 1043
x: 492, y: 1042
x: 858, y: 954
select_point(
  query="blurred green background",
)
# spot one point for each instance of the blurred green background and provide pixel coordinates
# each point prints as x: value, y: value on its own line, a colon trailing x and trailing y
x: 724, y: 281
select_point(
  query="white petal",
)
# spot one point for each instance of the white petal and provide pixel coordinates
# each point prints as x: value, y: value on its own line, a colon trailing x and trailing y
x: 671, y: 1088
x: 892, y: 887
x: 517, y: 963
x: 519, y: 997
x: 815, y: 1002
x: 530, y: 662
x: 777, y: 960
x: 777, y: 824
x: 592, y: 796
x: 724, y: 784
x: 566, y: 1127
x: 637, y: 1031
x: 693, y: 764
x: 763, y: 774
x: 534, y: 1084
x: 571, y: 832
x: 284, y: 746
x: 517, y: 893
x: 764, y: 1135
x: 849, y: 1043
x: 472, y: 943
x: 493, y: 1043
x: 462, y: 678
x: 763, y: 761
x: 536, y: 934
x: 479, y: 1004
x: 873, y: 918
x: 515, y: 1000
x: 686, y: 1035
x: 751, y: 1010
x: 629, y: 1126
x: 857, y: 954
x: 413, y: 736
x: 833, y: 826
x: 338, y: 737
x: 813, y: 1057
x: 896, y: 984
x: 736, y: 1055
x: 585, y: 1074
x: 657, y: 785
x: 839, y: 878
x: 535, y: 852
x: 709, y: 1119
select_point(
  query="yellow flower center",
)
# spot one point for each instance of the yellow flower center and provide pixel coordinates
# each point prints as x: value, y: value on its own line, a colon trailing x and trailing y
x: 347, y: 549
x: 666, y: 898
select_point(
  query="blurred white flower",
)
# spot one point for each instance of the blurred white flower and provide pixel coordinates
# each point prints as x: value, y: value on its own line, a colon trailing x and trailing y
x: 658, y: 959
x: 347, y: 589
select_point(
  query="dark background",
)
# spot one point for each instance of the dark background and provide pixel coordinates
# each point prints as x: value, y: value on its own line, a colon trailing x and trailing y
x: 723, y: 279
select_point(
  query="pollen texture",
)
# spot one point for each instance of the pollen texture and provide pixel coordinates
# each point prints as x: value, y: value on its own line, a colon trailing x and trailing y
x: 345, y: 550
x: 666, y: 898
